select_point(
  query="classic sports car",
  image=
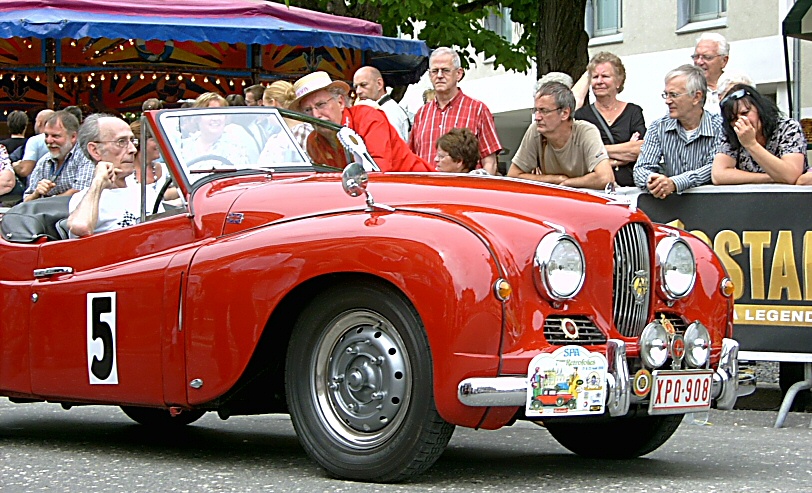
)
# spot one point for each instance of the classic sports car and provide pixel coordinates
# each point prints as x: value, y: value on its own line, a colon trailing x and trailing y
x: 379, y: 324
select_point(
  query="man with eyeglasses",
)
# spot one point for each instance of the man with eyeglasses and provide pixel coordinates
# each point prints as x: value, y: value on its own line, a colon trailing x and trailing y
x: 323, y: 98
x: 558, y: 149
x: 679, y: 148
x: 711, y: 55
x: 452, y: 109
x: 108, y: 203
x: 64, y: 170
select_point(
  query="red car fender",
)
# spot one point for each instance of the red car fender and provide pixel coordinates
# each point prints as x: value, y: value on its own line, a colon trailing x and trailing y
x: 444, y: 270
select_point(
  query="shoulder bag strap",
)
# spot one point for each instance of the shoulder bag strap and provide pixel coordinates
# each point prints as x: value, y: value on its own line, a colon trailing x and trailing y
x: 540, y: 168
x: 602, y: 123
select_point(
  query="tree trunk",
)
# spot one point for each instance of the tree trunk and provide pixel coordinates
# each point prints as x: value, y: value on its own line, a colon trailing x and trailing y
x: 562, y: 41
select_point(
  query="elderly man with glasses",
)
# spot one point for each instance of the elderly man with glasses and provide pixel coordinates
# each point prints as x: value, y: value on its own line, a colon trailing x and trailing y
x: 449, y: 109
x: 711, y: 55
x: 679, y: 148
x: 108, y: 203
x: 558, y: 149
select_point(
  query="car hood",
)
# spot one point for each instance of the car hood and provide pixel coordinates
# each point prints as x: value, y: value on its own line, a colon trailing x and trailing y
x: 469, y: 199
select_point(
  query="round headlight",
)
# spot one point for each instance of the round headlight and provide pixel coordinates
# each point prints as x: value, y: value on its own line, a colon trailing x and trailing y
x: 697, y: 345
x: 653, y: 344
x: 559, y: 264
x: 677, y: 267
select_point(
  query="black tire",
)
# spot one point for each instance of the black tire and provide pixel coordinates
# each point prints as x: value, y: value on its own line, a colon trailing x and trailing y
x: 620, y: 438
x: 161, y: 418
x: 359, y: 386
x: 788, y: 374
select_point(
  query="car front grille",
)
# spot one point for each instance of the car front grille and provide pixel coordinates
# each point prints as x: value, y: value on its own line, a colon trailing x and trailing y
x: 585, y: 334
x: 633, y: 285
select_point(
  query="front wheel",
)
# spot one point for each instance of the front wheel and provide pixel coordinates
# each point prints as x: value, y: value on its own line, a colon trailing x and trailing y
x: 360, y: 388
x: 620, y: 438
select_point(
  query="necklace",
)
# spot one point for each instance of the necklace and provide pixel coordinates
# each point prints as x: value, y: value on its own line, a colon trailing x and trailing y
x: 609, y: 113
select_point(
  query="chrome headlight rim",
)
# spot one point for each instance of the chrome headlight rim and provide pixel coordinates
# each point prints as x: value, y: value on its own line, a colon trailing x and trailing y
x: 697, y: 345
x: 664, y: 249
x: 653, y: 344
x: 542, y: 262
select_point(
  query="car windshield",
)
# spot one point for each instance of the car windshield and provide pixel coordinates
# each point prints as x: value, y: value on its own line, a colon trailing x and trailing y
x: 218, y: 140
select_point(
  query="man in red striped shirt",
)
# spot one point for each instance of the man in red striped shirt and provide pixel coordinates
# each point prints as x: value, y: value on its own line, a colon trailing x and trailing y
x: 452, y: 109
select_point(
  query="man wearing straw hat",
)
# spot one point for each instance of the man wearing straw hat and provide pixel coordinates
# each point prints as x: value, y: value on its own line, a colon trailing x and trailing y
x: 321, y: 97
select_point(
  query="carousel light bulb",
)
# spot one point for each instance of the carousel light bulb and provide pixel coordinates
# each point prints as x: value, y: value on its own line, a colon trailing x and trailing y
x: 61, y: 85
x: 206, y: 80
x: 121, y: 47
x: 1, y: 76
x: 63, y: 79
x: 167, y: 77
x: 25, y: 79
x: 193, y: 78
x: 90, y: 79
x: 180, y: 77
x: 13, y: 77
x: 75, y: 80
x: 217, y: 81
x: 115, y: 76
x: 104, y: 62
x: 37, y: 78
x: 93, y: 86
x: 102, y: 77
x: 154, y: 76
x: 242, y: 82
x: 73, y: 43
x: 142, y: 76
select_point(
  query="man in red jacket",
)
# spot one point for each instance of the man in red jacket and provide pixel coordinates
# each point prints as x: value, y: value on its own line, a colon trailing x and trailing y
x: 319, y: 96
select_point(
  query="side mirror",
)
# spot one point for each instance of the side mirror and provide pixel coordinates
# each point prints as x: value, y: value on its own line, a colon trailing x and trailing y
x: 354, y: 179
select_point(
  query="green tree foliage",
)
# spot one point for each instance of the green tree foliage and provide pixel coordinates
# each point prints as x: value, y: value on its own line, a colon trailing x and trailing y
x: 459, y: 23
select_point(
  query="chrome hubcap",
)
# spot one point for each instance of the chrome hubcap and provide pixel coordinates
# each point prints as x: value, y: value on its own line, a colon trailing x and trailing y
x: 362, y: 378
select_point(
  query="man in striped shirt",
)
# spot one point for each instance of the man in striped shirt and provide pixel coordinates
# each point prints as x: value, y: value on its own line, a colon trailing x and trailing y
x: 679, y: 148
x: 452, y: 109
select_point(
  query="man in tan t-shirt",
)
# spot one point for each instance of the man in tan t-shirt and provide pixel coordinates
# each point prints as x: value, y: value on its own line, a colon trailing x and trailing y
x: 573, y: 152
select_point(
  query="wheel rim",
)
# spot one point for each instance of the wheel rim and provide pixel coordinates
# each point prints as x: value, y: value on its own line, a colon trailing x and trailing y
x: 362, y: 379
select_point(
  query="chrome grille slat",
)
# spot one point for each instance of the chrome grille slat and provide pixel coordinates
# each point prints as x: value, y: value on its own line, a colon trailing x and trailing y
x: 588, y: 333
x: 631, y: 254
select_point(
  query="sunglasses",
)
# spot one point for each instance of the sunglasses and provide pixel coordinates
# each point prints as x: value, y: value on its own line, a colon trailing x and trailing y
x: 735, y: 96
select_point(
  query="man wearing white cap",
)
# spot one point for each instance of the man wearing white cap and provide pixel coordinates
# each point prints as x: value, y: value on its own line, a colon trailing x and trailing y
x: 319, y: 96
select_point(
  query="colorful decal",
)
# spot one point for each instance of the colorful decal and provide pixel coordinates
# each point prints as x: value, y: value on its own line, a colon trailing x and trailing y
x: 569, y: 381
x: 641, y: 385
x: 102, y: 365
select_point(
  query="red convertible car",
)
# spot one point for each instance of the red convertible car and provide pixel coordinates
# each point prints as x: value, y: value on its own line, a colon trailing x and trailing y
x: 380, y: 310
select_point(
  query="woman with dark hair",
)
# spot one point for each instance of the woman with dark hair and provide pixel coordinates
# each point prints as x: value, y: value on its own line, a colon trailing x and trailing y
x: 620, y: 124
x: 457, y: 151
x: 759, y: 144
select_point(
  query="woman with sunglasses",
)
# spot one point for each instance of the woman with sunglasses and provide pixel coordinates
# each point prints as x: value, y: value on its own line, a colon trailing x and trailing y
x: 759, y: 145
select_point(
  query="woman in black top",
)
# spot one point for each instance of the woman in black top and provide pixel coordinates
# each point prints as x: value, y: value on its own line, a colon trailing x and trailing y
x: 621, y: 124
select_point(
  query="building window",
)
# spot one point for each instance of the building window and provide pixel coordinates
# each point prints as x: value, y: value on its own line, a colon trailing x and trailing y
x: 603, y: 17
x: 698, y: 11
x: 704, y: 10
x: 498, y: 21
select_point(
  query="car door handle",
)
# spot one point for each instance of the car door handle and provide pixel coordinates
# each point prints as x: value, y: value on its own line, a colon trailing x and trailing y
x: 52, y: 271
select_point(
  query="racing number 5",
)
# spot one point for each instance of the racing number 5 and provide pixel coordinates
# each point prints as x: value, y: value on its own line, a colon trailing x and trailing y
x: 101, y: 338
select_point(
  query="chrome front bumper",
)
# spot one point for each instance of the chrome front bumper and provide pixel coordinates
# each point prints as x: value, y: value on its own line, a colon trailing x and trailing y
x: 512, y: 391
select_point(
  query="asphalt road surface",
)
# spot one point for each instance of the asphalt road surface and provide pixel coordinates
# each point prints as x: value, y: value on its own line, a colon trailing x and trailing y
x: 98, y: 449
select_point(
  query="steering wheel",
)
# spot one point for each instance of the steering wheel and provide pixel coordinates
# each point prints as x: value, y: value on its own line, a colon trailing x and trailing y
x: 207, y: 157
x: 161, y: 194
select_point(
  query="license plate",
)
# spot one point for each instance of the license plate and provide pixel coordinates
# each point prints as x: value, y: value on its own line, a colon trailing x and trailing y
x: 677, y: 392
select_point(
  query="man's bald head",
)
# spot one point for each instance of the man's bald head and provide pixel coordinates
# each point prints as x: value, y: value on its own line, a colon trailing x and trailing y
x: 42, y: 117
x: 368, y: 83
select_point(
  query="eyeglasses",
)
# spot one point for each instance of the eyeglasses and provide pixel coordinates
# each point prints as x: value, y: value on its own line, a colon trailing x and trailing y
x: 735, y: 96
x: 318, y: 106
x: 442, y: 155
x: 706, y: 58
x: 120, y: 143
x: 437, y: 71
x: 543, y: 111
x: 672, y: 95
